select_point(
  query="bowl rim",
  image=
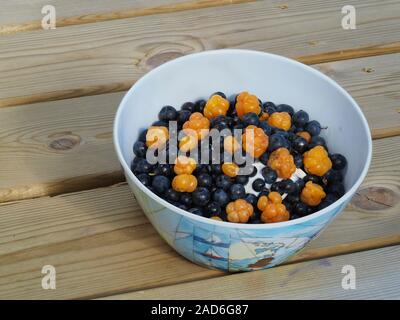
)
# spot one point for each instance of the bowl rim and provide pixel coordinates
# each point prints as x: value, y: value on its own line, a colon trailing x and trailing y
x: 346, y: 197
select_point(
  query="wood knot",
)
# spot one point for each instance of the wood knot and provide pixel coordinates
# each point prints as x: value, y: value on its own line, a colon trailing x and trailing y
x: 65, y: 143
x: 375, y: 198
x: 162, y: 57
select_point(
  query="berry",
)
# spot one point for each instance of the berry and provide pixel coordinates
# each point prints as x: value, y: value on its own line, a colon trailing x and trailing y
x: 333, y: 176
x: 184, y: 165
x: 143, y: 166
x: 216, y: 168
x: 156, y: 136
x: 288, y: 186
x: 204, y: 180
x: 298, y: 160
x: 231, y: 144
x: 200, y: 105
x: 300, y: 209
x: 339, y: 162
x: 220, y: 197
x: 239, y: 211
x: 253, y: 172
x: 312, y: 194
x: 220, y: 122
x: 273, y: 210
x: 171, y: 195
x: 246, y: 103
x: 282, y: 162
x: 183, y: 116
x: 258, y: 184
x: 316, y: 161
x: 184, y: 183
x: 277, y: 141
x: 168, y: 113
x: 142, y: 135
x: 300, y: 184
x: 266, y: 127
x: 188, y: 106
x: 251, y: 198
x: 300, y: 144
x: 313, y: 127
x: 251, y: 119
x: 201, y: 196
x: 160, y: 184
x: 305, y: 135
x: 264, y: 158
x: 223, y: 182
x: 285, y: 108
x: 186, y: 199
x: 300, y: 118
x: 337, y: 189
x: 163, y: 170
x: 188, y: 142
x: 242, y: 179
x: 230, y: 169
x: 330, y: 198
x: 255, y: 141
x: 216, y: 106
x: 212, y: 209
x: 145, y: 179
x: 197, y: 125
x: 219, y: 93
x: 317, y: 141
x: 312, y: 178
x: 269, y: 107
x: 237, y: 191
x: 196, y: 211
x: 269, y: 175
x: 281, y: 120
x: 139, y: 149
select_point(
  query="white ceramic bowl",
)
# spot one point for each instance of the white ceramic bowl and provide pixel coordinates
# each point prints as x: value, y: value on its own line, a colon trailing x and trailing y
x: 231, y: 246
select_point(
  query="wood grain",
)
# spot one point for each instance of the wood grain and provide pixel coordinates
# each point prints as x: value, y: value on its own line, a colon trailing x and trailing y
x: 17, y: 16
x: 101, y: 244
x: 108, y: 56
x: 377, y: 277
x: 64, y: 146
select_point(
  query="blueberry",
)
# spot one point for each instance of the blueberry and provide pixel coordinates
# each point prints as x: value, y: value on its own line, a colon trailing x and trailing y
x: 190, y: 106
x: 139, y: 149
x: 216, y: 168
x: 312, y: 178
x: 269, y: 107
x: 293, y: 198
x: 223, y: 182
x: 237, y: 191
x: 288, y: 186
x: 313, y: 127
x: 251, y: 118
x: 300, y: 118
x: 171, y: 195
x: 219, y: 122
x: 201, y: 196
x: 253, y: 172
x: 220, y: 197
x: 276, y: 186
x: 204, y: 180
x: 212, y: 209
x: 337, y: 189
x: 264, y: 158
x: 219, y: 93
x: 276, y: 141
x: 266, y: 127
x: 181, y: 206
x: 298, y: 160
x: 134, y: 163
x: 163, y: 170
x: 196, y: 211
x: 199, y: 105
x: 160, y: 184
x: 183, y: 116
x: 168, y: 113
x: 242, y: 179
x: 252, y: 199
x: 339, y: 162
x: 269, y: 175
x: 143, y: 166
x: 285, y: 108
x: 142, y: 135
x: 333, y: 176
x: 300, y: 144
x: 145, y: 179
x: 300, y: 184
x: 186, y: 199
x: 317, y: 141
x: 258, y: 184
x: 300, y: 209
x: 329, y: 199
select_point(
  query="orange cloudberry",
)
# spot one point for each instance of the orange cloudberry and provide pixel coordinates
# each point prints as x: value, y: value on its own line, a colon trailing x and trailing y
x: 231, y: 144
x: 255, y: 141
x: 185, y: 165
x: 316, y: 161
x: 239, y: 211
x: 156, y: 136
x: 230, y: 169
x: 305, y: 135
x: 216, y: 106
x: 282, y: 162
x: 272, y: 208
x: 184, y: 183
x: 246, y: 103
x: 281, y: 120
x: 312, y: 194
x: 197, y: 125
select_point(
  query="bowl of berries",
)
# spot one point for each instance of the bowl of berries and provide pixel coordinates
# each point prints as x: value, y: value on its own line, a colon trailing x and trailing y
x: 239, y: 158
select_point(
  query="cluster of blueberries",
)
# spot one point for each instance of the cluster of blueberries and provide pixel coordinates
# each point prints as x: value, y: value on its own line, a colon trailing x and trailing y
x: 215, y: 190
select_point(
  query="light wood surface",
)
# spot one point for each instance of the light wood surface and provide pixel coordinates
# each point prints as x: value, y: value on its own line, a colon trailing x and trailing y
x: 109, y: 56
x: 377, y: 277
x: 101, y: 244
x: 45, y: 144
x: 62, y: 196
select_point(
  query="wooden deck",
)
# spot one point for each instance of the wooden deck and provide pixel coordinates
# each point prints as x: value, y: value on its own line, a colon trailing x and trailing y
x: 63, y: 199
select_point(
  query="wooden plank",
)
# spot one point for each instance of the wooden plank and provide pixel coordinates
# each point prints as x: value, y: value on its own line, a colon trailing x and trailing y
x: 63, y: 146
x: 18, y: 15
x: 377, y: 277
x: 107, y: 57
x: 101, y: 244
